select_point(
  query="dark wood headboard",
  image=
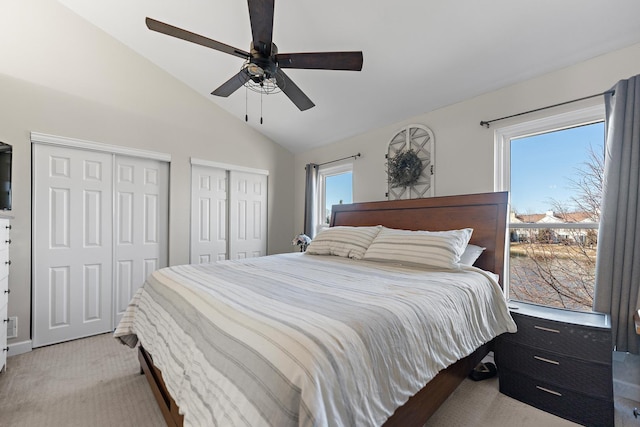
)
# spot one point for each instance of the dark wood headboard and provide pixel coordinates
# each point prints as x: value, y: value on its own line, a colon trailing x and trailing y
x: 486, y: 213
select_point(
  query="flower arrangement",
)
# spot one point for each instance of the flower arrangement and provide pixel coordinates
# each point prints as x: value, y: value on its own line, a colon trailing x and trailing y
x: 301, y: 240
x: 404, y: 168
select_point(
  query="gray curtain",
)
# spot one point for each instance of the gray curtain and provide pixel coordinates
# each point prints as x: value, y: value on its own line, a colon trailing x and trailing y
x: 618, y: 263
x: 310, y: 208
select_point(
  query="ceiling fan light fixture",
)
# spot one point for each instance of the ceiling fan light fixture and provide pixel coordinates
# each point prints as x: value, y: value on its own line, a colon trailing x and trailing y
x: 260, y: 80
x: 254, y: 70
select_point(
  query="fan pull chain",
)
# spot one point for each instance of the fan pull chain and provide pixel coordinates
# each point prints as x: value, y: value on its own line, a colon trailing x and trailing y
x: 260, y: 107
x: 246, y: 101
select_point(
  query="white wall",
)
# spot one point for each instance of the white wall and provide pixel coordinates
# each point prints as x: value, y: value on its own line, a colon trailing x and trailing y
x: 464, y: 149
x: 61, y: 76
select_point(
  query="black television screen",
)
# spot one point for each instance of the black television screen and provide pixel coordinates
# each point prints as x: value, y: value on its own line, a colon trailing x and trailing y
x: 5, y: 176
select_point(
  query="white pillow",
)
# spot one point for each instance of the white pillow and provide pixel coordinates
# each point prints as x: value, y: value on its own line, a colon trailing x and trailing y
x: 440, y: 249
x: 471, y: 254
x: 344, y: 241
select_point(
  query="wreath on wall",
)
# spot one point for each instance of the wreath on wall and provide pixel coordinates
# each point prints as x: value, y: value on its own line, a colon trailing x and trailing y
x: 404, y: 168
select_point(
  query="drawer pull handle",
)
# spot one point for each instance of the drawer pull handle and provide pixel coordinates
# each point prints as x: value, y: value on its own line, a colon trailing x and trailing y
x: 542, y: 359
x: 555, y: 331
x: 6, y: 320
x: 8, y: 227
x: 8, y: 262
x: 8, y: 291
x: 5, y: 349
x: 8, y: 241
x: 549, y: 391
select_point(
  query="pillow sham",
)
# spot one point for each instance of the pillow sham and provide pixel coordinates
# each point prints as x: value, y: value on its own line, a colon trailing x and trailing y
x: 344, y: 241
x: 471, y: 254
x: 440, y: 249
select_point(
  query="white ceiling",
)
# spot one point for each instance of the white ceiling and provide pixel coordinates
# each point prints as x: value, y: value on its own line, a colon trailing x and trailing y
x: 419, y: 55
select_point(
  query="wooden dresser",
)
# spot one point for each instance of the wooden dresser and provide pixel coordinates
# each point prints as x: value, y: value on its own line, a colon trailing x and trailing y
x: 559, y: 361
x: 5, y: 240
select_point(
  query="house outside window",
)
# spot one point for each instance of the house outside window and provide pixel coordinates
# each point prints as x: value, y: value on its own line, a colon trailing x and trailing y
x: 335, y: 186
x: 553, y: 169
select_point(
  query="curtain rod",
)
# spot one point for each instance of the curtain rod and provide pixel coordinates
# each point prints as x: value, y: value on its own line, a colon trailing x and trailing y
x: 355, y: 156
x: 486, y: 123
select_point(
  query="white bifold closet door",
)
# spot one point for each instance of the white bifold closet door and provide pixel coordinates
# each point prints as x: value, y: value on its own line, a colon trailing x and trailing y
x: 228, y: 214
x: 99, y: 228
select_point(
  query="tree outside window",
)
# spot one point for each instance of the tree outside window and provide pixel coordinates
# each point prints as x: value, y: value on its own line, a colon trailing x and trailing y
x: 554, y: 177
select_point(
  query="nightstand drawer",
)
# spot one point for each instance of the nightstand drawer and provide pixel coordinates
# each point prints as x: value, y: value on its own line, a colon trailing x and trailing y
x: 567, y: 404
x: 584, y: 342
x: 590, y: 378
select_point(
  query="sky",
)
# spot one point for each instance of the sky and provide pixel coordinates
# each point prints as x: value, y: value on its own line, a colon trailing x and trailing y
x: 338, y: 187
x: 542, y: 166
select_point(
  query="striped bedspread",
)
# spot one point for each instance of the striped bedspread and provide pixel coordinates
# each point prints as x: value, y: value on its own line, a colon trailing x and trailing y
x: 304, y: 340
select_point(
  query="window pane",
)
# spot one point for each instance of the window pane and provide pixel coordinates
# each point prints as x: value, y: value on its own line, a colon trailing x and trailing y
x: 556, y: 187
x: 554, y: 267
x: 338, y: 190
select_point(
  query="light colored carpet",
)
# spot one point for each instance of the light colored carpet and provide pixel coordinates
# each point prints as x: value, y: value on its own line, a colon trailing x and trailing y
x: 89, y: 382
x: 96, y: 382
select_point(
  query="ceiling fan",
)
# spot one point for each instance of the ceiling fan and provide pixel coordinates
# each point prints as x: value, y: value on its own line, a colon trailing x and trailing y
x: 263, y: 64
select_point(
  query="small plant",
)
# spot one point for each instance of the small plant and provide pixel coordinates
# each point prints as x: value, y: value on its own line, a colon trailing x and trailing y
x: 404, y: 169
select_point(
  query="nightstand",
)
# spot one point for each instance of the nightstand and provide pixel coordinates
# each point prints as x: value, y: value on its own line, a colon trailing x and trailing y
x: 559, y: 361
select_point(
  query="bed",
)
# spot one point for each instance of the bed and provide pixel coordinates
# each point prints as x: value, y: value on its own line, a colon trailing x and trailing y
x: 327, y: 309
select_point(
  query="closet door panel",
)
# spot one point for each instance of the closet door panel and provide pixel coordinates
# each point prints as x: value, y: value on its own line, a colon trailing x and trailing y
x: 208, y: 214
x: 72, y: 203
x: 141, y: 223
x: 248, y: 215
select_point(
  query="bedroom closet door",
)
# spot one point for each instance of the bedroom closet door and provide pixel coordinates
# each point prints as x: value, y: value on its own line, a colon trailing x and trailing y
x: 141, y: 221
x: 248, y: 215
x: 100, y: 228
x: 72, y: 245
x: 228, y: 213
x: 208, y: 214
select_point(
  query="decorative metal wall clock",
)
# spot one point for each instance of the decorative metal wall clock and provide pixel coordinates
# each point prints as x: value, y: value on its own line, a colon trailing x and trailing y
x: 410, y: 163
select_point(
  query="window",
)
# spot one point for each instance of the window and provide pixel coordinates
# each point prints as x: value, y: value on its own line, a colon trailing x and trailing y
x: 553, y: 168
x: 335, y: 186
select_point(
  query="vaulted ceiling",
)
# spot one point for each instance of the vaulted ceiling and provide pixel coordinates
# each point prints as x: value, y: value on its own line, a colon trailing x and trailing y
x: 419, y: 55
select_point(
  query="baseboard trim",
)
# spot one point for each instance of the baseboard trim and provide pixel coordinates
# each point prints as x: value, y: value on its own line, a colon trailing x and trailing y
x: 19, y: 348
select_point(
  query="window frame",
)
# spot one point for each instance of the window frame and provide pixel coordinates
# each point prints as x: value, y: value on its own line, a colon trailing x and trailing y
x: 321, y: 199
x: 502, y: 158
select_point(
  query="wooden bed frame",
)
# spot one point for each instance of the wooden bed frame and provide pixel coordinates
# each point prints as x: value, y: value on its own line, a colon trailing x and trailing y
x: 486, y: 213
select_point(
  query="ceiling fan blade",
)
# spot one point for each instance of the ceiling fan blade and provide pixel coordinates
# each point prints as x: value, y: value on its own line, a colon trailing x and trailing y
x: 295, y: 94
x: 351, y: 61
x: 231, y: 85
x: 261, y: 15
x: 172, y: 31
